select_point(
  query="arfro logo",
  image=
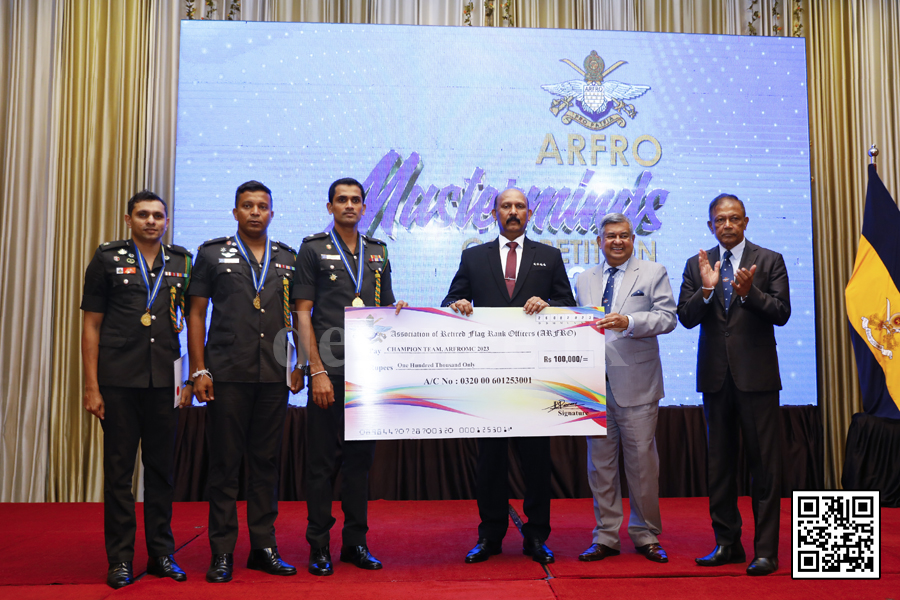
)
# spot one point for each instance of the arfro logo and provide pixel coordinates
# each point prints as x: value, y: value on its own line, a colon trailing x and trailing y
x: 594, y: 97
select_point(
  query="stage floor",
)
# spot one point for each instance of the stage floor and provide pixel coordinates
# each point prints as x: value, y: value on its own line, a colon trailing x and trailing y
x: 56, y: 551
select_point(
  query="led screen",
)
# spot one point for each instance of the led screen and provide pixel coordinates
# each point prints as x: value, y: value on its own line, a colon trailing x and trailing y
x: 436, y: 120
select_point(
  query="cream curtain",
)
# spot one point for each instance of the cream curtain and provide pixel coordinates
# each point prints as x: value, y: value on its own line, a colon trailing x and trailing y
x: 31, y: 261
x: 104, y: 138
x: 87, y: 116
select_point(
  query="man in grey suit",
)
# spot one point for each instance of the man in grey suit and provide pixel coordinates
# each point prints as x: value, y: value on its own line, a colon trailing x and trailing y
x: 639, y: 306
x: 737, y: 292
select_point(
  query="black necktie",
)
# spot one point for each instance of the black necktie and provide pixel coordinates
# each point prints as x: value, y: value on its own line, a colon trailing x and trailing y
x: 606, y: 302
x: 727, y: 278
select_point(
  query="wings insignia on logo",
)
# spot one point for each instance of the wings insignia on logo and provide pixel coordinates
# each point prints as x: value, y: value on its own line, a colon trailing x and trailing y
x: 594, y: 96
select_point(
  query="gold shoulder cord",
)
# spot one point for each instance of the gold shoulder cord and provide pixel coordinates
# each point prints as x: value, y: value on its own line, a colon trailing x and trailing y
x: 178, y: 323
x: 286, y: 304
x: 378, y: 278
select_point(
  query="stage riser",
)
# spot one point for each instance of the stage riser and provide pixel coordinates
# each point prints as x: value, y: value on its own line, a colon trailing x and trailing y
x: 445, y: 469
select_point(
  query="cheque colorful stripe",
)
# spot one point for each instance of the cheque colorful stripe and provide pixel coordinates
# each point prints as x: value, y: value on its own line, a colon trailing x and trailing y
x: 432, y: 311
x: 394, y: 397
x: 594, y: 405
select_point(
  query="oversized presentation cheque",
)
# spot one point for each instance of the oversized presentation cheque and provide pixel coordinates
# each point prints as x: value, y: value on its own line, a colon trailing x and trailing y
x: 431, y: 373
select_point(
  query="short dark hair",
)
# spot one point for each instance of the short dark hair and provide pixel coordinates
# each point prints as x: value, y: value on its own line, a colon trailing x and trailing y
x: 144, y: 196
x: 719, y: 198
x: 345, y: 181
x: 251, y: 186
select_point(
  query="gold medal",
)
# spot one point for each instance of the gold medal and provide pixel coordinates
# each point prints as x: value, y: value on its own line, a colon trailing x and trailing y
x: 358, y: 302
x: 256, y: 302
x: 146, y: 320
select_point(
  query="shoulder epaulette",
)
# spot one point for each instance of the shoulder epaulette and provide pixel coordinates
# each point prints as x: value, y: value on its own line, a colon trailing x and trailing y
x: 214, y: 241
x: 374, y: 240
x: 286, y: 247
x: 315, y: 236
x: 113, y: 245
x: 178, y: 249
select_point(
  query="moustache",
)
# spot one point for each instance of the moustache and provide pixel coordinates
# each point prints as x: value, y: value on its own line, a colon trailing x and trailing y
x: 513, y: 219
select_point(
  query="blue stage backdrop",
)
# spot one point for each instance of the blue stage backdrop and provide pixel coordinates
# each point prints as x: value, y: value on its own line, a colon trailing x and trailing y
x: 436, y: 120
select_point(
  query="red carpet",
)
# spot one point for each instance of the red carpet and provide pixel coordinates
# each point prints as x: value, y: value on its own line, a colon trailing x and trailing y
x: 422, y: 545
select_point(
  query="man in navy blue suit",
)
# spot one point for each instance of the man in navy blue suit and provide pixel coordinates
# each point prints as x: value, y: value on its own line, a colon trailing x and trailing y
x: 511, y: 271
x: 738, y: 292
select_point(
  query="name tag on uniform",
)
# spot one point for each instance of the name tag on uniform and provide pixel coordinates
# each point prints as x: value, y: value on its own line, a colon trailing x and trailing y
x: 126, y: 270
x: 331, y: 257
x: 229, y: 260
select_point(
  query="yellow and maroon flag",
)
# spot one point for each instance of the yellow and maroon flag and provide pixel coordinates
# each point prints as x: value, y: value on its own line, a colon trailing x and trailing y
x: 873, y: 302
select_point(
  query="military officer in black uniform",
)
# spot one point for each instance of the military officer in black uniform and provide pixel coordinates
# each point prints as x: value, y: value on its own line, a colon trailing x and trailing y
x: 133, y: 311
x: 248, y: 277
x: 335, y: 270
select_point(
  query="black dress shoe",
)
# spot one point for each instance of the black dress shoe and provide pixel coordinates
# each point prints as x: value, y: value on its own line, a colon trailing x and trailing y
x: 483, y: 550
x: 653, y: 552
x: 119, y: 575
x: 538, y: 552
x: 268, y: 561
x: 165, y: 566
x: 320, y: 561
x: 361, y: 557
x: 220, y: 568
x: 597, y: 552
x: 763, y: 566
x: 723, y: 555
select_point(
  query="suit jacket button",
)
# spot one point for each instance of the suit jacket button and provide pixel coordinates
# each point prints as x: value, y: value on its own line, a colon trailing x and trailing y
x: 727, y: 334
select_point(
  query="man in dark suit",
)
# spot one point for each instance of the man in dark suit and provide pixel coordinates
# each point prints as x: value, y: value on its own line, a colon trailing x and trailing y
x: 497, y: 274
x: 737, y: 301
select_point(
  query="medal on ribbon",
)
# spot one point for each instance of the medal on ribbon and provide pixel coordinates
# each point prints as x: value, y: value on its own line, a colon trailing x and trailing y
x: 152, y: 290
x: 257, y: 281
x: 357, y: 280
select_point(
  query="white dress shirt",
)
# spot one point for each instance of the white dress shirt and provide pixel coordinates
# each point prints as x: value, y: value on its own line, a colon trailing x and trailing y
x: 504, y: 252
